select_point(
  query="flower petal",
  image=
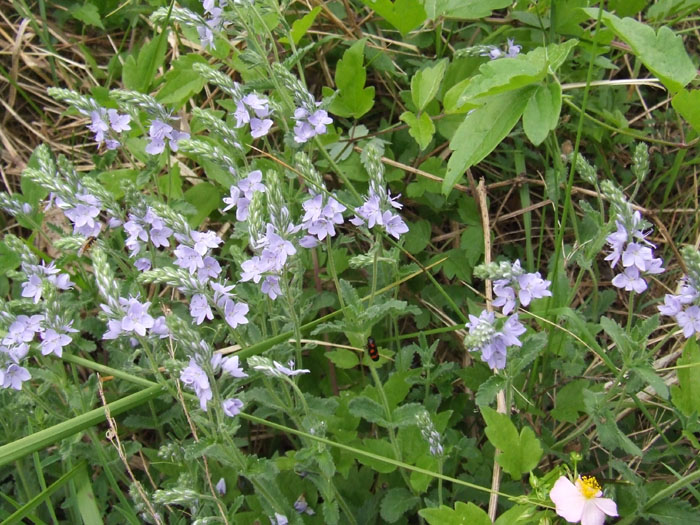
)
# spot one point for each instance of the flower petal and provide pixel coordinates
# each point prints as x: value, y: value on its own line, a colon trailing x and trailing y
x: 568, y: 500
x: 606, y: 505
x: 592, y: 515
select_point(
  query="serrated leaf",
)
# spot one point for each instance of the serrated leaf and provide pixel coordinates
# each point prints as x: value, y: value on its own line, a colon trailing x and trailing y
x: 426, y: 83
x: 481, y: 131
x: 368, y: 409
x: 302, y: 25
x: 396, y: 503
x: 569, y: 401
x: 404, y: 15
x: 662, y: 52
x: 686, y: 395
x: 488, y: 390
x: 541, y: 114
x: 421, y: 128
x: 518, y: 453
x: 380, y: 447
x: 687, y: 104
x: 88, y: 14
x: 352, y: 99
x: 672, y: 511
x: 462, y: 514
x: 405, y: 415
x: 649, y: 376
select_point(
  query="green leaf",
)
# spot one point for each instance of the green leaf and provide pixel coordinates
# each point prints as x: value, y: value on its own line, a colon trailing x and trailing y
x: 138, y: 73
x: 517, y: 453
x: 181, y: 81
x: 404, y: 15
x: 462, y: 514
x: 488, y: 390
x: 368, y: 409
x: 9, y: 260
x: 417, y: 237
x: 405, y: 415
x: 87, y: 13
x: 687, y: 104
x: 426, y: 83
x: 343, y: 358
x: 395, y: 504
x: 205, y: 198
x: 170, y: 184
x: 421, y: 128
x: 686, y: 395
x: 85, y: 498
x: 649, y: 376
x: 302, y: 25
x: 380, y: 447
x: 481, y: 131
x: 353, y: 99
x: 43, y: 438
x: 569, y: 401
x: 541, y: 114
x: 662, y: 52
x: 469, y: 9
x: 116, y: 180
x: 508, y: 74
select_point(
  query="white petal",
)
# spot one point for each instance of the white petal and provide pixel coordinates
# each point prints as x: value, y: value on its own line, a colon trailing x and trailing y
x: 592, y: 515
x: 568, y: 500
x: 606, y: 505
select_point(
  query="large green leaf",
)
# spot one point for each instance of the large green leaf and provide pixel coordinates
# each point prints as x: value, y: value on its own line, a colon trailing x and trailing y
x: 395, y: 504
x: 426, y: 82
x: 686, y: 396
x: 353, y: 99
x: 462, y: 514
x: 687, y: 104
x: 542, y: 112
x: 181, y: 81
x: 662, y: 52
x: 482, y: 130
x: 421, y: 128
x: 469, y: 9
x: 508, y: 74
x: 205, y: 198
x: 519, y: 453
x: 404, y: 15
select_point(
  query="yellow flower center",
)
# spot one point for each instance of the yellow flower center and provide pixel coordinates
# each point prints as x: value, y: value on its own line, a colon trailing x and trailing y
x: 588, y: 486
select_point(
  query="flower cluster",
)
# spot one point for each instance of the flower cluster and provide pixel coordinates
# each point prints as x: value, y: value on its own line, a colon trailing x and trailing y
x: 581, y: 501
x: 53, y: 331
x: 196, y: 378
x: 143, y: 228
x: 629, y: 245
x: 104, y: 120
x: 513, y: 287
x: 253, y: 109
x: 684, y: 306
x: 492, y: 343
x: 242, y: 193
x: 274, y: 251
x: 519, y: 286
x: 213, y: 22
x: 38, y: 273
x: 310, y: 122
x: 377, y: 209
x: 495, y: 52
x: 160, y: 131
x: 192, y: 254
x: 131, y: 317
x: 322, y: 212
